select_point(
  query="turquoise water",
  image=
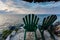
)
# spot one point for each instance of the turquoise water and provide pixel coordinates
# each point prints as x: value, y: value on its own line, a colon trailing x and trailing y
x: 13, y: 19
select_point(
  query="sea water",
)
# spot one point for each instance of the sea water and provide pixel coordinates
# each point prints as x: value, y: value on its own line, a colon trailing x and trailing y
x: 13, y: 19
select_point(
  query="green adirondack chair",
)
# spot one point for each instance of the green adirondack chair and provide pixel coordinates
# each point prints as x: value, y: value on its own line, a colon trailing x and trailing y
x: 30, y: 22
x: 47, y: 22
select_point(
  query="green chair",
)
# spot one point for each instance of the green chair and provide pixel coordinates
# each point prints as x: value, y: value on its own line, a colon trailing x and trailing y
x: 30, y: 22
x: 47, y: 22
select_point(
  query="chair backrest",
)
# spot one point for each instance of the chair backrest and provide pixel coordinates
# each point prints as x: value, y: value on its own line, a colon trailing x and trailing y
x: 47, y: 21
x: 30, y: 22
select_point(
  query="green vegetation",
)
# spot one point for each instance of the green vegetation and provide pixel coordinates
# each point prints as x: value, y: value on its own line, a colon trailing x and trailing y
x: 5, y: 34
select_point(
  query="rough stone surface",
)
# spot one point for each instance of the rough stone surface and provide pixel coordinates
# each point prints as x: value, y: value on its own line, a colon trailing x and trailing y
x: 30, y: 35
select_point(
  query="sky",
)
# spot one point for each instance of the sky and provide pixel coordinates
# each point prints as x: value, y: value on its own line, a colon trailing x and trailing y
x: 22, y: 7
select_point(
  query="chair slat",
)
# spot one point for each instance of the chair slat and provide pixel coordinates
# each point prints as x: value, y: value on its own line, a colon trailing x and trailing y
x: 35, y: 19
x: 32, y: 18
x: 48, y: 18
x: 49, y: 21
x: 44, y: 22
x: 29, y: 17
x: 54, y: 18
x: 26, y: 19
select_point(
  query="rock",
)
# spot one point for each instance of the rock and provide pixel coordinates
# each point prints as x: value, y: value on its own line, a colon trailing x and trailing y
x: 30, y: 36
x: 8, y: 38
x: 38, y: 34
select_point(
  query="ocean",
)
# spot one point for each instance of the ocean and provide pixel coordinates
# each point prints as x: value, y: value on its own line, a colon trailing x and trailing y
x: 13, y: 19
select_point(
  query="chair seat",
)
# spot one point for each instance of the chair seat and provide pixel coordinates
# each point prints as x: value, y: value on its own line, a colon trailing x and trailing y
x: 31, y: 29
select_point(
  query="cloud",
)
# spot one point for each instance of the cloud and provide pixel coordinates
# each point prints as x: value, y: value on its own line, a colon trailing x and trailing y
x: 2, y: 6
x: 22, y: 7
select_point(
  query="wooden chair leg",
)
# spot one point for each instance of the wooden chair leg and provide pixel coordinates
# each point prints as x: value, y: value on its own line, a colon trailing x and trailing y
x: 42, y: 35
x: 52, y: 36
x: 25, y: 35
x: 35, y: 36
